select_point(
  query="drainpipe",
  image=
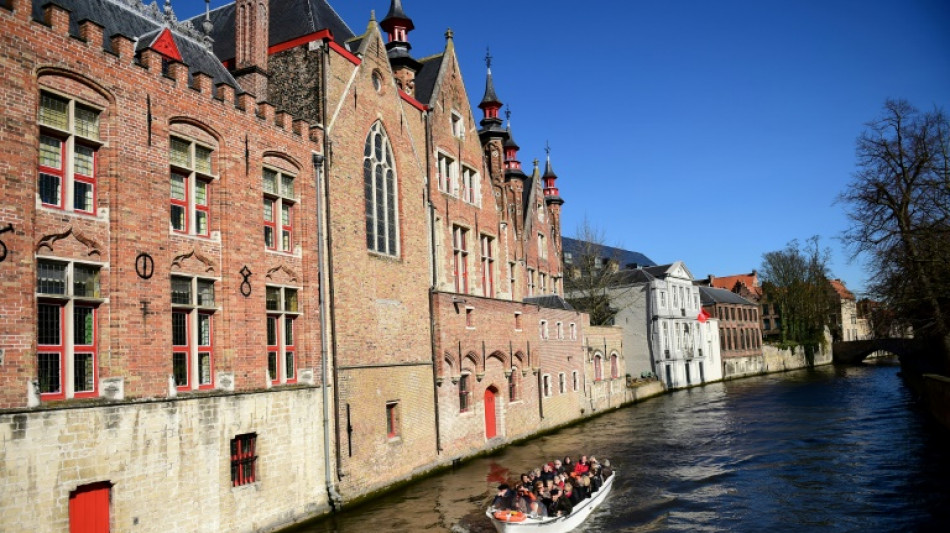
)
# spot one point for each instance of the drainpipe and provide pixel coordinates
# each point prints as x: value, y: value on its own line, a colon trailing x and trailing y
x: 433, y: 287
x: 325, y: 253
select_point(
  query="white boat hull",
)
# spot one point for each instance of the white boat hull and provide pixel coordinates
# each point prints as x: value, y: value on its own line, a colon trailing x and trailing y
x: 561, y: 524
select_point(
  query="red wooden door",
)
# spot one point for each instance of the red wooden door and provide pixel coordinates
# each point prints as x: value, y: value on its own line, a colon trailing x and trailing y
x: 489, y: 413
x: 89, y: 508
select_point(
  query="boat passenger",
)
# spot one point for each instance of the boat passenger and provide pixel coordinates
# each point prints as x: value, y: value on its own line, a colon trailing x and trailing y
x: 558, y: 467
x: 567, y: 465
x: 583, y: 486
x: 571, y: 494
x: 582, y: 466
x: 596, y: 481
x: 547, y: 472
x: 504, y: 499
x: 537, y: 509
x: 606, y: 471
x: 560, y: 506
x: 521, y: 500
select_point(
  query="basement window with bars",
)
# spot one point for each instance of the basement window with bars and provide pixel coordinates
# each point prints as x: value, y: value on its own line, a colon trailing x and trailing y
x: 244, y: 459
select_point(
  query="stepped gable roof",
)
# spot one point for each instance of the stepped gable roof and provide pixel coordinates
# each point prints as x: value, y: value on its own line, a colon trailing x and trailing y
x: 427, y: 77
x: 627, y: 259
x: 550, y: 301
x: 714, y: 295
x: 838, y: 286
x: 134, y: 19
x: 289, y: 19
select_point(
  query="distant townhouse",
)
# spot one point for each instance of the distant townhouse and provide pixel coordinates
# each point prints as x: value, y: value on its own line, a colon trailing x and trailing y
x: 740, y: 333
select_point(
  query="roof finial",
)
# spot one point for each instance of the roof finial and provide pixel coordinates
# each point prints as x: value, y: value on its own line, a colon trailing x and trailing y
x: 169, y: 12
x: 207, y: 26
x: 508, y: 115
x: 372, y: 15
x: 449, y: 34
x: 547, y: 148
x: 488, y: 57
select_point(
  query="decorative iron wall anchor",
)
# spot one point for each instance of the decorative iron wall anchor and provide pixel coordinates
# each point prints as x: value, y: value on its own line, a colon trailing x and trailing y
x: 144, y: 265
x: 3, y: 245
x: 246, y: 284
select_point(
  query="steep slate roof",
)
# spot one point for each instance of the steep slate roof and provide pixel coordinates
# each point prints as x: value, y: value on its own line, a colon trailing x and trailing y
x: 549, y: 301
x: 625, y: 257
x: 427, y: 77
x: 289, y: 19
x: 713, y: 295
x: 133, y: 19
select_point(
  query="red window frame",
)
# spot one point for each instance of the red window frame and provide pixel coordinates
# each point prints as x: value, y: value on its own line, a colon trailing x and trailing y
x: 183, y: 203
x: 290, y: 349
x: 272, y: 224
x: 57, y: 172
x: 183, y: 349
x: 205, y: 348
x: 90, y: 180
x: 243, y: 459
x: 92, y: 349
x: 488, y: 266
x: 460, y: 252
x: 614, y: 366
x: 203, y: 208
x: 287, y: 228
x: 60, y: 350
x: 274, y: 349
x: 598, y: 368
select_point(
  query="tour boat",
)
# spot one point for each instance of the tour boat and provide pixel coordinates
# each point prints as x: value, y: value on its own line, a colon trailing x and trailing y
x: 515, y: 522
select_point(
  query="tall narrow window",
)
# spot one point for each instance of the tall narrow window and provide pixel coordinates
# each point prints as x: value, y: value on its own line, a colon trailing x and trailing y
x: 458, y: 126
x: 447, y: 178
x: 460, y: 256
x: 542, y: 247
x: 531, y: 281
x: 546, y: 385
x: 574, y: 380
x: 514, y: 385
x: 279, y: 200
x: 469, y: 185
x: 561, y: 383
x: 392, y: 419
x: 543, y: 329
x: 614, y: 366
x: 379, y: 188
x: 190, y: 187
x: 488, y: 266
x: 243, y: 459
x: 69, y: 140
x: 67, y: 329
x: 598, y: 367
x: 465, y: 393
x: 193, y: 310
x: 282, y: 312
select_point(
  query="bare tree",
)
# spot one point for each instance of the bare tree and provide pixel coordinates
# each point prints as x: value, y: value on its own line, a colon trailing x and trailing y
x: 796, y: 281
x: 593, y: 275
x: 898, y: 202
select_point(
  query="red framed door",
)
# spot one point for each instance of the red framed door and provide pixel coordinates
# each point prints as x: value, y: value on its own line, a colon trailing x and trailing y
x: 490, y: 430
x: 89, y: 508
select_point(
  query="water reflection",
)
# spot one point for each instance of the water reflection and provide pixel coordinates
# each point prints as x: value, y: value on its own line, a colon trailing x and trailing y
x: 836, y: 449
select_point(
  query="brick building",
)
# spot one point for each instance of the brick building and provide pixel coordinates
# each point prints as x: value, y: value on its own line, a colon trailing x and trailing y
x: 740, y: 333
x: 255, y: 260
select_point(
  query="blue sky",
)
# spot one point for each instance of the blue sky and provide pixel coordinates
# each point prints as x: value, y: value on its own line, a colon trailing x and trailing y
x: 704, y: 131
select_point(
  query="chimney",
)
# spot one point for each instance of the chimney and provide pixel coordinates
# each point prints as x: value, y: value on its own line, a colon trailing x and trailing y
x: 251, y: 39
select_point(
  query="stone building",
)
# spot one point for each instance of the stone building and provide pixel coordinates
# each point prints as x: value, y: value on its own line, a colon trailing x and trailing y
x: 843, y: 316
x: 255, y: 260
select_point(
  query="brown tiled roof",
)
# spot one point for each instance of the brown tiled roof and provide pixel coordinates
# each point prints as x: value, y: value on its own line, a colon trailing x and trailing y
x: 841, y: 290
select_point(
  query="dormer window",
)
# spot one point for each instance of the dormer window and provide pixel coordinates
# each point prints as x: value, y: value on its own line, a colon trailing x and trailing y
x: 458, y: 126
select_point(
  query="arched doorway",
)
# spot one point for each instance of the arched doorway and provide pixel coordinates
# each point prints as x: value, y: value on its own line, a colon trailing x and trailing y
x: 490, y: 421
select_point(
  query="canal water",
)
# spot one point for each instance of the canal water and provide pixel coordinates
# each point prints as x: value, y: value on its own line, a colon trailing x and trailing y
x: 832, y: 449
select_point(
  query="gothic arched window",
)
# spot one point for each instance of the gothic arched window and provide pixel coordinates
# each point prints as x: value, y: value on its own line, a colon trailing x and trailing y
x: 379, y: 182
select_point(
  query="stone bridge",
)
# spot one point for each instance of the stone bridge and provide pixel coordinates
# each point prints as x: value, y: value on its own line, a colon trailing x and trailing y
x: 853, y: 352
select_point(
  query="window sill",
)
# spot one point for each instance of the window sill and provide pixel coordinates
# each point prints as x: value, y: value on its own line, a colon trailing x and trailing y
x: 394, y: 440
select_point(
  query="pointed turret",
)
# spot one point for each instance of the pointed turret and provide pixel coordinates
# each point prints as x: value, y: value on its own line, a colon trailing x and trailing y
x: 551, y: 194
x: 490, y: 105
x: 512, y: 165
x: 397, y: 26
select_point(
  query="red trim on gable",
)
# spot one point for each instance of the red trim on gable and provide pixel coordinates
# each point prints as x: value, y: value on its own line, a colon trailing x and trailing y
x: 413, y: 102
x: 165, y: 44
x: 304, y: 39
x: 345, y: 53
